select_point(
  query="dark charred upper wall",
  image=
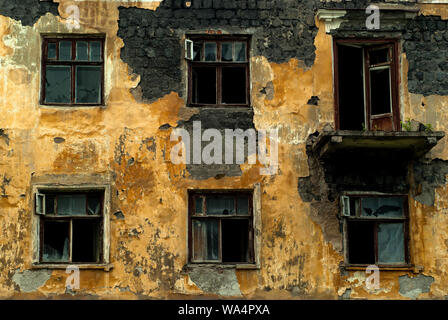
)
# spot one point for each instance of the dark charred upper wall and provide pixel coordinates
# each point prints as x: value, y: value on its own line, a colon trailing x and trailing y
x: 280, y: 30
x: 426, y: 47
x: 27, y: 11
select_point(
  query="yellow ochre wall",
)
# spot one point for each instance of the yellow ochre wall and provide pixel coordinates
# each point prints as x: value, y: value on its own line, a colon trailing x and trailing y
x: 148, y: 248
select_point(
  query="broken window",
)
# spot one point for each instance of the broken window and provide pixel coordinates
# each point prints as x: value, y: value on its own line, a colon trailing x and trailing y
x: 72, y: 71
x: 218, y: 71
x: 221, y: 227
x: 70, y: 226
x: 366, y: 80
x: 375, y: 230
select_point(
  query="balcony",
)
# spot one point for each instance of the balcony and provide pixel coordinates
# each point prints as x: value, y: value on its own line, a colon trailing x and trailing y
x: 375, y: 145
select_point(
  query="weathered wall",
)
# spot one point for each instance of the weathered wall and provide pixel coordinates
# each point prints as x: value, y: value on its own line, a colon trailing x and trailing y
x: 127, y: 141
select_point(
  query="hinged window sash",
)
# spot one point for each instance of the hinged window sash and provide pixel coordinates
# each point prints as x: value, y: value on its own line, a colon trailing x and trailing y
x: 188, y: 49
x: 40, y: 204
x: 345, y: 202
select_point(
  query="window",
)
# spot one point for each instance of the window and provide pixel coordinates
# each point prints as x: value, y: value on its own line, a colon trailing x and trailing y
x: 70, y: 226
x: 366, y: 85
x: 72, y: 71
x: 221, y: 227
x: 218, y: 71
x: 376, y: 230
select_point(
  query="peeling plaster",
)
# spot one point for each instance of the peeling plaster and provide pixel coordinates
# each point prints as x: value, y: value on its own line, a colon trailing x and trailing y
x: 221, y: 282
x: 31, y: 280
x: 414, y: 287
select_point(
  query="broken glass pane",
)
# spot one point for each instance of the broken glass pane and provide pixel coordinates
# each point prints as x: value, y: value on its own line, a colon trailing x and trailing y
x: 382, y: 207
x: 240, y: 51
x: 354, y: 207
x: 380, y: 95
x: 56, y: 241
x: 220, y: 205
x: 72, y: 204
x: 198, y: 203
x: 243, y: 205
x: 65, y: 50
x: 210, y: 51
x: 379, y: 56
x: 390, y: 243
x: 205, y: 240
x: 51, y: 54
x: 49, y: 204
x: 81, y: 51
x: 95, y: 51
x: 58, y: 84
x: 197, y: 51
x: 227, y: 51
x: 88, y: 84
x: 94, y: 204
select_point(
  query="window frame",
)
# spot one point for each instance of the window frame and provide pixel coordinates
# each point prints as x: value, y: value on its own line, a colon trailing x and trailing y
x: 45, y: 61
x: 404, y: 220
x: 368, y: 45
x: 218, y: 64
x: 104, y: 217
x: 251, y: 217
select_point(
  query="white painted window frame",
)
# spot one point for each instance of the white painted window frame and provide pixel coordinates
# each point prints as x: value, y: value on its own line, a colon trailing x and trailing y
x: 38, y: 189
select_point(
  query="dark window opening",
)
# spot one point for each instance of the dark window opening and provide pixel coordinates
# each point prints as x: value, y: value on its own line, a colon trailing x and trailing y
x: 72, y: 71
x: 56, y: 241
x: 361, y: 240
x: 351, y: 88
x: 376, y: 229
x: 380, y: 91
x: 221, y: 227
x: 366, y: 80
x: 204, y: 85
x: 219, y: 72
x: 235, y: 240
x: 234, y: 85
x: 86, y: 240
x: 70, y: 226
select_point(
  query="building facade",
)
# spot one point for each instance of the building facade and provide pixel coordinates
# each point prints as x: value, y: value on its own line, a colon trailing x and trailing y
x: 278, y: 149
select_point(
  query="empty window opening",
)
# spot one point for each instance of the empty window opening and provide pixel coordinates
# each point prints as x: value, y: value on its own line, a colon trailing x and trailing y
x: 235, y: 240
x: 351, y: 88
x: 376, y: 229
x: 56, y: 241
x: 219, y: 72
x: 221, y: 227
x: 70, y: 226
x: 367, y: 90
x: 234, y: 85
x: 204, y: 85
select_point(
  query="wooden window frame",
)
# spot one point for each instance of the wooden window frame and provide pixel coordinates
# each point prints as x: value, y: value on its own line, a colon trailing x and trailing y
x: 100, y: 218
x: 394, y: 84
x: 404, y: 220
x: 219, y: 65
x: 193, y: 194
x: 45, y: 61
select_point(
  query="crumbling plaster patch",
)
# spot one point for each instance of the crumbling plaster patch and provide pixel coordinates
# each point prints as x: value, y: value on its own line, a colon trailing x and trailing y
x: 221, y: 282
x: 414, y: 287
x: 31, y: 280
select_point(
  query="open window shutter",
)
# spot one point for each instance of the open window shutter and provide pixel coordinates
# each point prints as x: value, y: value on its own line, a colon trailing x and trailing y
x: 345, y: 201
x: 40, y: 203
x: 188, y: 49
